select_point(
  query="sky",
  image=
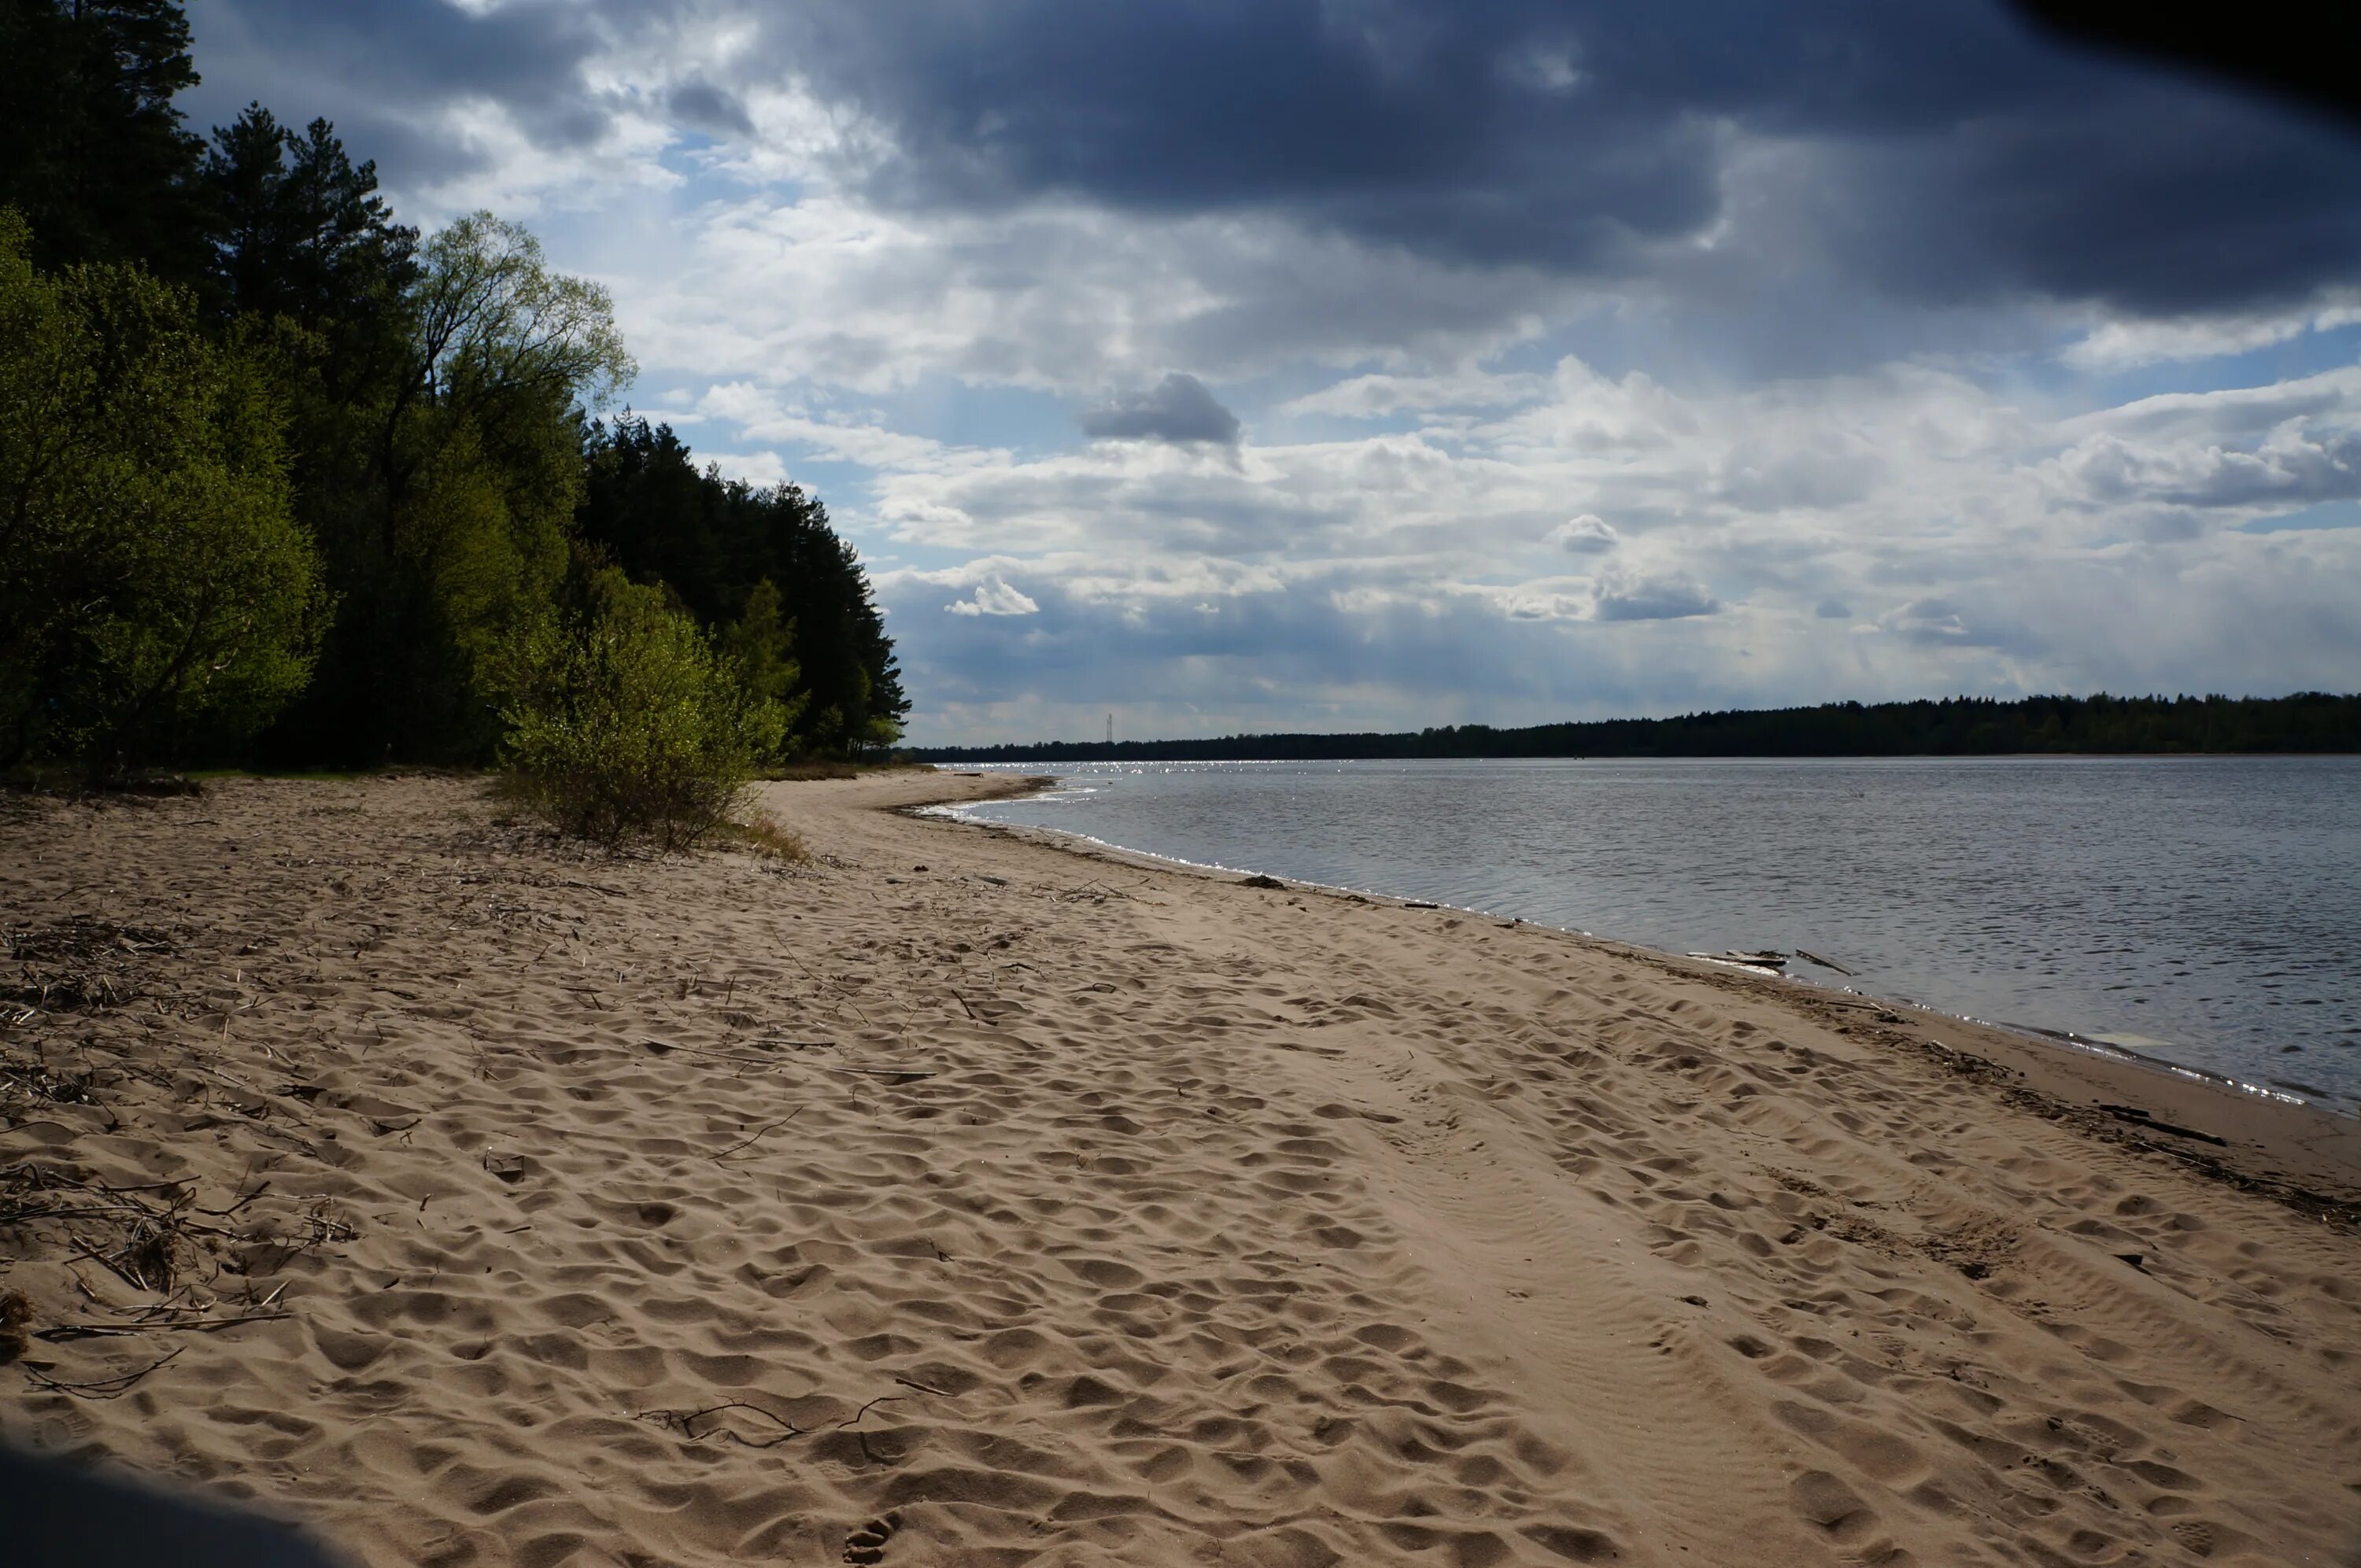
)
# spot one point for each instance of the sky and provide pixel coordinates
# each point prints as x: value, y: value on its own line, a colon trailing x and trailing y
x: 1254, y: 365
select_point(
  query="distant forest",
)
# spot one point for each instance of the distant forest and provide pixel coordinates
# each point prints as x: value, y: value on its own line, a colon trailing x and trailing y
x: 1956, y: 727
x: 284, y: 483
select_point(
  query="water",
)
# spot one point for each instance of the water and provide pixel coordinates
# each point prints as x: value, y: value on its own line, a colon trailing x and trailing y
x: 2206, y: 911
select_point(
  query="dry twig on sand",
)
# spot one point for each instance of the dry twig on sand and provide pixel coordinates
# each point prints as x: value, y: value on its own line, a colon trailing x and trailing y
x: 685, y: 1422
x: 750, y: 1140
x: 112, y: 1387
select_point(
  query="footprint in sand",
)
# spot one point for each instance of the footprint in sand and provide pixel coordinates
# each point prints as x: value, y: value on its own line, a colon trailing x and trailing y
x: 867, y: 1544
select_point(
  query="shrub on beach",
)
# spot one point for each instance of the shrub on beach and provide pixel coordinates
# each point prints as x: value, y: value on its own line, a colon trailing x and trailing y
x: 627, y: 722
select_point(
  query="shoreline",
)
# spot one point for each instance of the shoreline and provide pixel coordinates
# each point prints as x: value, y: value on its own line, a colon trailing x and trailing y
x: 2171, y: 1094
x: 506, y: 1202
x: 2056, y: 1038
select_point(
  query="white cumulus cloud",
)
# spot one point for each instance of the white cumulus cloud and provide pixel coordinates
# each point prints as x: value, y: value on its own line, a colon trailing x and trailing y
x: 995, y: 597
x: 1584, y: 536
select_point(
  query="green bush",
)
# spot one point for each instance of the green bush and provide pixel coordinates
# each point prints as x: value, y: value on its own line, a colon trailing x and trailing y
x: 627, y: 722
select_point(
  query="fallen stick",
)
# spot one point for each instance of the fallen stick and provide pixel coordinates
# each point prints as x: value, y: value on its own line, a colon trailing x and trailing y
x: 774, y: 1127
x: 67, y: 1332
x: 102, y: 1387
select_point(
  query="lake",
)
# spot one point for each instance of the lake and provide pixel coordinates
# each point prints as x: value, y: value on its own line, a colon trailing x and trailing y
x: 2206, y: 911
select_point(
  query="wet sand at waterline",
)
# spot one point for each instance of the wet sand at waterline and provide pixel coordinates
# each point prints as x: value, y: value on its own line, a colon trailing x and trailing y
x: 955, y: 1198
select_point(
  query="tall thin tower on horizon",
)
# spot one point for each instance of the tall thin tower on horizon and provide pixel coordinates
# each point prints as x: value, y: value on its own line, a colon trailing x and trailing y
x: 1110, y: 729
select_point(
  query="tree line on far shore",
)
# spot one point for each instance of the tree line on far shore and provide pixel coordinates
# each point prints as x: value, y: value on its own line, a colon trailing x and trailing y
x: 284, y: 483
x: 1955, y: 727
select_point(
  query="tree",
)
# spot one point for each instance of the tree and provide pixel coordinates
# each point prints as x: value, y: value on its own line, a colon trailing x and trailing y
x: 298, y: 230
x: 494, y: 324
x: 447, y: 529
x: 161, y: 596
x: 715, y: 540
x: 256, y: 333
x: 98, y: 160
x: 762, y: 644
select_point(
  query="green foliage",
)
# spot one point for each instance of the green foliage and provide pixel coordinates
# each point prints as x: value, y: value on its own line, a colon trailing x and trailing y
x: 162, y: 597
x: 716, y: 541
x: 762, y: 645
x: 483, y: 474
x: 494, y: 322
x: 231, y: 378
x: 443, y: 495
x: 627, y: 721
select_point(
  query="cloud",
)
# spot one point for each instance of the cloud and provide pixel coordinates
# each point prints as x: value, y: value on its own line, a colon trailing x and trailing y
x: 1622, y: 597
x: 2289, y: 445
x: 1941, y: 151
x: 1375, y: 396
x: 761, y: 416
x: 2292, y: 467
x: 1818, y: 304
x: 1939, y: 154
x: 698, y: 103
x: 1584, y: 536
x: 760, y: 469
x: 2129, y: 345
x: 993, y: 597
x: 1381, y: 580
x: 1178, y: 408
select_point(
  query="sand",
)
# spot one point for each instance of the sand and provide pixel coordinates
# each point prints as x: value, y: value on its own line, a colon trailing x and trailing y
x: 953, y: 1198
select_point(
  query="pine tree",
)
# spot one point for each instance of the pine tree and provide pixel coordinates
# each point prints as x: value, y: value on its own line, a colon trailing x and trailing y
x: 98, y: 161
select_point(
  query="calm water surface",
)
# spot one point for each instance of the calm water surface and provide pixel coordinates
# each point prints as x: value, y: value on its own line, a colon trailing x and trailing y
x: 2205, y: 910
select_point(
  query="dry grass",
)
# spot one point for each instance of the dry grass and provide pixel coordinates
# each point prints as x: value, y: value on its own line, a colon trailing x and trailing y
x: 803, y: 772
x: 762, y: 835
x: 831, y: 768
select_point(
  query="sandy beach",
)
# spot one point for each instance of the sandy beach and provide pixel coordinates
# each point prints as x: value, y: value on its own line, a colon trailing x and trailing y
x: 952, y: 1198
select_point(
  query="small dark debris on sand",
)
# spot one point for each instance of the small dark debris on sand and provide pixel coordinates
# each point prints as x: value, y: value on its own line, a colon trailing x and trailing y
x: 2140, y: 1118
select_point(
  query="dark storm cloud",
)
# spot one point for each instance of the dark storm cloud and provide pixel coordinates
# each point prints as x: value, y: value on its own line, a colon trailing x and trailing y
x: 1942, y: 151
x: 709, y: 109
x: 529, y: 50
x: 1953, y: 154
x: 1179, y: 410
x: 371, y: 65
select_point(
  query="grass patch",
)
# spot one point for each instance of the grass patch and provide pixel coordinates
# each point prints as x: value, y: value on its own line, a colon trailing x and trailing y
x: 763, y: 834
